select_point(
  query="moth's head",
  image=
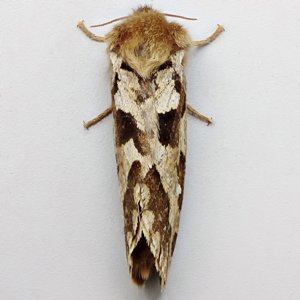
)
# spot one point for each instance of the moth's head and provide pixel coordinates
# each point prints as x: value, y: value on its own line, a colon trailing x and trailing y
x: 145, y: 40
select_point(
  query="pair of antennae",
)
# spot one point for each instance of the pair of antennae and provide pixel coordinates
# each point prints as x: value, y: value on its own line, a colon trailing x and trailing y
x: 122, y: 18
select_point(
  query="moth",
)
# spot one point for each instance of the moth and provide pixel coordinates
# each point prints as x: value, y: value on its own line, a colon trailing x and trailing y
x: 149, y: 108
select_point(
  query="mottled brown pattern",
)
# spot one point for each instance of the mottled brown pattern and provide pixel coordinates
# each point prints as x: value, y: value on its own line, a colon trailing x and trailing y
x: 161, y: 232
x: 159, y: 204
x: 128, y: 207
x: 134, y: 174
x: 126, y: 129
x: 129, y: 204
x: 146, y: 90
x: 159, y: 200
x: 169, y: 121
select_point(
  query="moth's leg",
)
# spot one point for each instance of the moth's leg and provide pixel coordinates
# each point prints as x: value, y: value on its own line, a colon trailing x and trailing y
x: 99, y: 118
x: 88, y: 33
x: 199, y: 116
x: 211, y: 38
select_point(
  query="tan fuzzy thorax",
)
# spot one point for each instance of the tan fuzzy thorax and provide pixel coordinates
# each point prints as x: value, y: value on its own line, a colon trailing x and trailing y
x: 145, y: 40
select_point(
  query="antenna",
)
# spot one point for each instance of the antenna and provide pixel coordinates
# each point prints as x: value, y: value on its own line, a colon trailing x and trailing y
x: 122, y: 18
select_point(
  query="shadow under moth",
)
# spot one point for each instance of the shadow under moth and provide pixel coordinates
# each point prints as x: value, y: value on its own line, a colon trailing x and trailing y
x: 149, y: 110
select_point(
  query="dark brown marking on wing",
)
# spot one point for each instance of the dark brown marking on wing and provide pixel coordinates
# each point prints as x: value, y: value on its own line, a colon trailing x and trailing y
x: 159, y: 200
x: 165, y: 65
x: 182, y: 107
x: 168, y: 128
x: 115, y: 87
x: 169, y: 121
x: 159, y: 204
x: 180, y: 89
x: 128, y: 207
x: 140, y: 98
x: 126, y: 129
x: 181, y: 173
x: 129, y: 204
x: 134, y: 174
x: 126, y: 67
x: 178, y: 85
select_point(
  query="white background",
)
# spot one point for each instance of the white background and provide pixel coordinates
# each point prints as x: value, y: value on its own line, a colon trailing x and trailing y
x: 61, y: 227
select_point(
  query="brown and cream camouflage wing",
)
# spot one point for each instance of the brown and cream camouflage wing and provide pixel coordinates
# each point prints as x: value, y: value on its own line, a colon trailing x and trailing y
x: 149, y: 108
x: 150, y: 135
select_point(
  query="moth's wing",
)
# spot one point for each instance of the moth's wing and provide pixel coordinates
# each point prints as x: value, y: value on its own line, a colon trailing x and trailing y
x: 150, y: 134
x: 132, y: 147
x: 169, y: 161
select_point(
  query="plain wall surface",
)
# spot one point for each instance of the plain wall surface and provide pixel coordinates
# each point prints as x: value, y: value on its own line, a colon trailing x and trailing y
x: 61, y: 223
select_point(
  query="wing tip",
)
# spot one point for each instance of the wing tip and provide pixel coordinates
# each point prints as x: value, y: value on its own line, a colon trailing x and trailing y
x: 143, y: 262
